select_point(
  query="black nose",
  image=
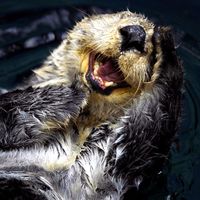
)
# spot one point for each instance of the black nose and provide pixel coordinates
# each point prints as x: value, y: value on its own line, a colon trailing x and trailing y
x: 133, y: 37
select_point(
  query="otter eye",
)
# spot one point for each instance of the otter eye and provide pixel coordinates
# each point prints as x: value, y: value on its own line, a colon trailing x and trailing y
x: 133, y: 37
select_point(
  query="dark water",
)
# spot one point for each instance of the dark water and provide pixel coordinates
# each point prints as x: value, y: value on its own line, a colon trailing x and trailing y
x: 29, y: 30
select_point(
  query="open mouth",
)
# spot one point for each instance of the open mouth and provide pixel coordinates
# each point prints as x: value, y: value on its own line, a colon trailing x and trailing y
x: 104, y: 74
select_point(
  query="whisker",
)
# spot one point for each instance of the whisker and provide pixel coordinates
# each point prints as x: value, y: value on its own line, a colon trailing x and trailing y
x: 82, y: 11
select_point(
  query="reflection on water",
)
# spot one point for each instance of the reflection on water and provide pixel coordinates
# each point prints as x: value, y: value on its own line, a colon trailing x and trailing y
x: 184, y: 164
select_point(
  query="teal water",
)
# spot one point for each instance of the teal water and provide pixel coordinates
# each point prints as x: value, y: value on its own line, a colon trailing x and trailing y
x: 180, y: 178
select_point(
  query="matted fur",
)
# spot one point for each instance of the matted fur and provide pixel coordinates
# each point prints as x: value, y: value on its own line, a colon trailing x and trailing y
x: 60, y: 139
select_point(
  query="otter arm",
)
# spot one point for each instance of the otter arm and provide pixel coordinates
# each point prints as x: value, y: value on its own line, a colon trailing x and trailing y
x: 30, y: 116
x: 144, y: 135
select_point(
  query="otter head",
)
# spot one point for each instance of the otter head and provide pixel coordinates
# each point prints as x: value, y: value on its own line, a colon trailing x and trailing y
x: 115, y: 55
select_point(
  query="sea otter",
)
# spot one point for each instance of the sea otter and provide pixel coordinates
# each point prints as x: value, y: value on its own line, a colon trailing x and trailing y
x: 98, y: 118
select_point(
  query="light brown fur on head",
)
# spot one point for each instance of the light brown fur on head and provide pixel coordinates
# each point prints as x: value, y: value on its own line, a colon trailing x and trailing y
x: 100, y: 34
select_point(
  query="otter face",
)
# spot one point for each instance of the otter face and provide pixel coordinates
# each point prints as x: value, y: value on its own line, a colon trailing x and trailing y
x: 115, y: 55
x: 115, y: 51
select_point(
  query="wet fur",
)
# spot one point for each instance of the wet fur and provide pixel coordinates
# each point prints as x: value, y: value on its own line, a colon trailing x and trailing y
x: 61, y: 140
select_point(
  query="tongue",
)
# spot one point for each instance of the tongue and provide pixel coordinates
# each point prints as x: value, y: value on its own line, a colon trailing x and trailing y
x: 110, y: 72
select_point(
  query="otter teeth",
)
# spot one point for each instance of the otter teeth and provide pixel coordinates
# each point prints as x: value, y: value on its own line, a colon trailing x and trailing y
x: 95, y: 71
x: 96, y: 66
x: 107, y: 84
x: 104, y: 83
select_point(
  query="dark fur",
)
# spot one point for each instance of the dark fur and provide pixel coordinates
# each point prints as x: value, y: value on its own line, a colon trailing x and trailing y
x: 145, y: 134
x: 23, y: 112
